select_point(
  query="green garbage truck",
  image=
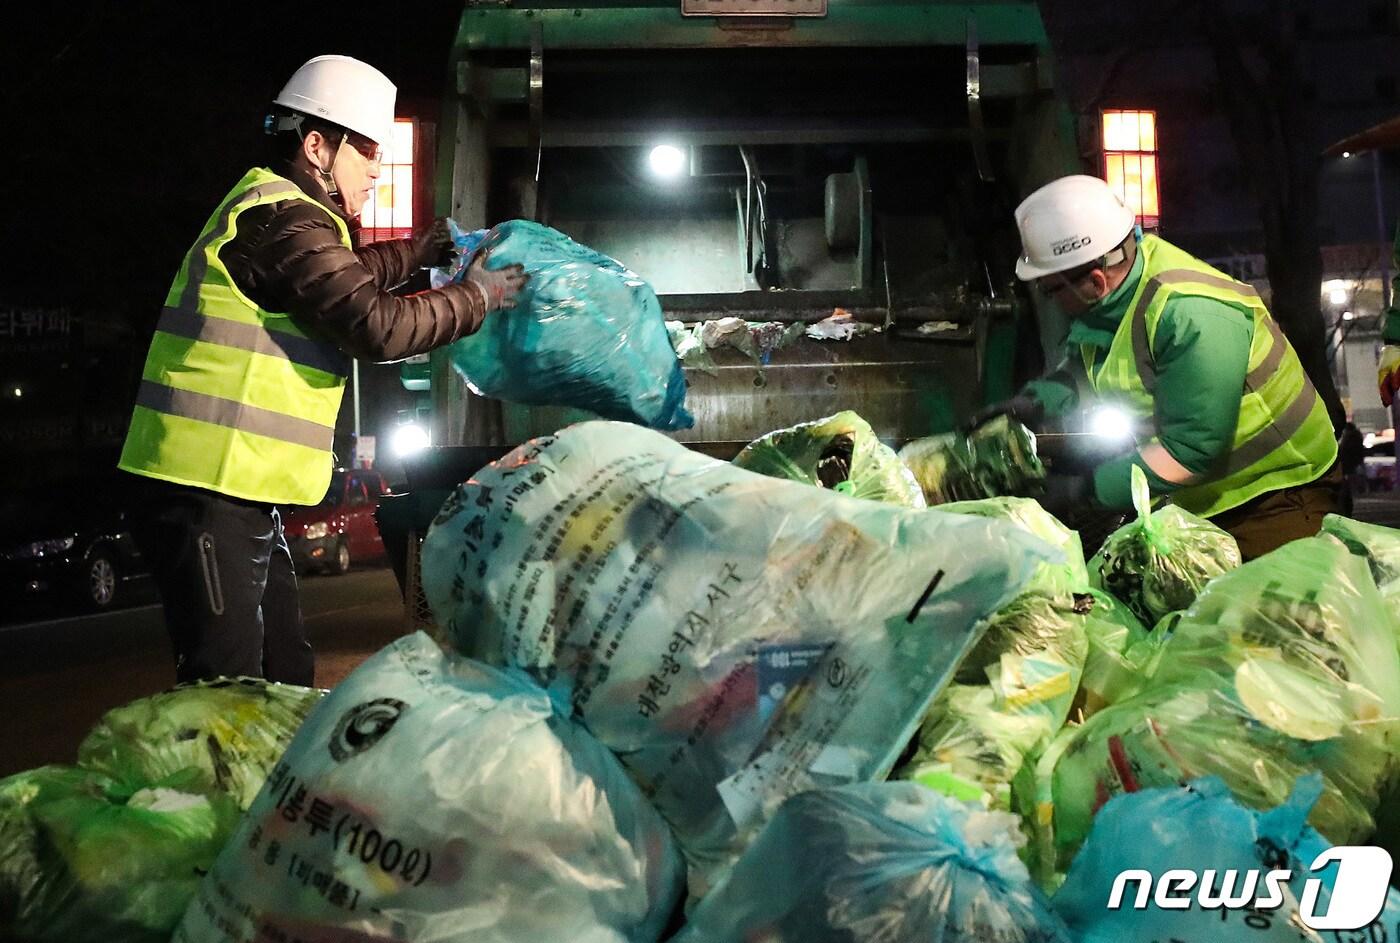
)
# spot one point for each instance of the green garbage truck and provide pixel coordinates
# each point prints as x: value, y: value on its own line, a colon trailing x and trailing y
x: 767, y: 160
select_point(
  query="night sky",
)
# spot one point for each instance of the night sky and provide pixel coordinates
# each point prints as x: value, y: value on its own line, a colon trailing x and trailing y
x: 129, y: 121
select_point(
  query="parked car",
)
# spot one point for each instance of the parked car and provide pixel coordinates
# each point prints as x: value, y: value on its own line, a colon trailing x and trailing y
x: 340, y: 530
x: 69, y: 544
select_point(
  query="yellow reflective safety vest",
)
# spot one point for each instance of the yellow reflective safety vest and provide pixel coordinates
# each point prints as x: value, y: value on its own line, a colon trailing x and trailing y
x: 1283, y: 437
x: 233, y: 398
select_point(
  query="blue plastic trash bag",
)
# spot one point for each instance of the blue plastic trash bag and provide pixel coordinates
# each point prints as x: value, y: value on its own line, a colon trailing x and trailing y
x: 585, y: 333
x: 433, y: 799
x: 1203, y: 831
x: 878, y: 863
x: 734, y: 638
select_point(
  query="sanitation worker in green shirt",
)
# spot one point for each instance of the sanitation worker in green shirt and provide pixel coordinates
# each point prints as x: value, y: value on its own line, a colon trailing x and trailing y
x: 1225, y: 422
x: 1388, y: 374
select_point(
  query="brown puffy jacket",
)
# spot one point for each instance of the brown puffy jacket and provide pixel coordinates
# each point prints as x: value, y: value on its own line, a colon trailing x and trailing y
x: 287, y: 257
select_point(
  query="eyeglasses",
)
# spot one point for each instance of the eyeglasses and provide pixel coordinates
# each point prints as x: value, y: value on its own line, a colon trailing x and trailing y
x: 1052, y: 285
x: 370, y: 151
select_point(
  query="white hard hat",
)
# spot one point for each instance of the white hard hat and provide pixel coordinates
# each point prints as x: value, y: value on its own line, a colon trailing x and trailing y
x: 1068, y: 223
x: 343, y: 91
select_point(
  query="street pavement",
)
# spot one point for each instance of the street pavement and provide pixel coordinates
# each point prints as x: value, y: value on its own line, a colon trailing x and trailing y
x: 58, y: 676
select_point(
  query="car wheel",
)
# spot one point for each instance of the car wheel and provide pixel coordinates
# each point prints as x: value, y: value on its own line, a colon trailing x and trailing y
x: 101, y: 581
x: 340, y: 563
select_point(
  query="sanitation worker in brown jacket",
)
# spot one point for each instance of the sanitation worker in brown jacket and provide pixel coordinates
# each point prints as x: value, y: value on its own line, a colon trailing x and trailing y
x: 238, y: 399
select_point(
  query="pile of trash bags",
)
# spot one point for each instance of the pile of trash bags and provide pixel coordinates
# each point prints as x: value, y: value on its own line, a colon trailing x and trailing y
x: 733, y: 638
x: 585, y: 333
x: 1276, y: 670
x: 114, y: 848
x: 697, y: 701
x: 840, y: 452
x: 998, y: 458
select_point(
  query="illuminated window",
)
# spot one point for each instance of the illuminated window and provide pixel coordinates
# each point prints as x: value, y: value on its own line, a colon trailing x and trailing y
x: 1130, y: 161
x: 389, y: 212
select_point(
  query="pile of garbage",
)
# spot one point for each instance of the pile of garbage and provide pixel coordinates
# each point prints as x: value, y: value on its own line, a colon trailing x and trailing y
x: 734, y: 638
x: 681, y: 699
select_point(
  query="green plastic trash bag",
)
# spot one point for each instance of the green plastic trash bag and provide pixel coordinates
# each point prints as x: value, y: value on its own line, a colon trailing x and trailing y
x: 1032, y: 654
x: 1174, y: 733
x: 1015, y: 688
x: 1015, y: 691
x: 1053, y: 577
x: 1122, y: 654
x: 435, y: 799
x: 1158, y: 563
x: 228, y: 732
x: 878, y: 863
x: 585, y: 333
x: 971, y: 747
x: 84, y: 858
x: 734, y: 638
x: 839, y: 452
x: 1381, y: 548
x: 1228, y: 849
x: 998, y: 459
x: 1300, y: 632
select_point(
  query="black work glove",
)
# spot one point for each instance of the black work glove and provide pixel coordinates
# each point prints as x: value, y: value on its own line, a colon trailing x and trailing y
x: 498, y: 287
x: 1066, y: 495
x: 433, y: 245
x: 1027, y: 410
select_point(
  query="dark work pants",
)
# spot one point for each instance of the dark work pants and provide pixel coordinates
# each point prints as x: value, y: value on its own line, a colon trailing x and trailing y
x: 225, y: 576
x: 1275, y: 518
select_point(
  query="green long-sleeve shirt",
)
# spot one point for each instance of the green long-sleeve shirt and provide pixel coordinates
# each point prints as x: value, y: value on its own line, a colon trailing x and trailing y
x: 1390, y: 321
x: 1201, y: 352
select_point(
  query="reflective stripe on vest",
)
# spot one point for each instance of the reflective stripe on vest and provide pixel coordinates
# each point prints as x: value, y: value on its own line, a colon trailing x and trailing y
x: 259, y: 339
x: 234, y: 398
x: 234, y: 415
x: 1283, y: 436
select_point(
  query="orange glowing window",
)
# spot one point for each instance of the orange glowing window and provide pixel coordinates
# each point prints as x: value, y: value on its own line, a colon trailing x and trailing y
x: 1130, y: 161
x: 389, y: 212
